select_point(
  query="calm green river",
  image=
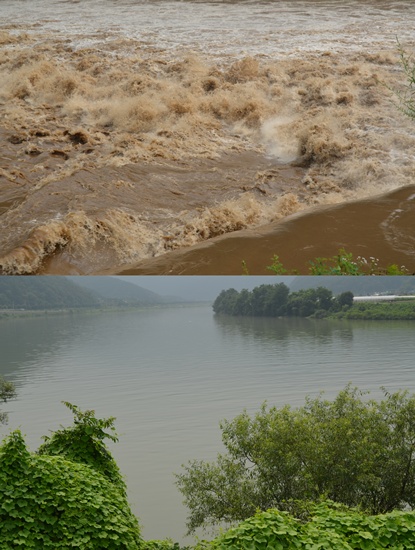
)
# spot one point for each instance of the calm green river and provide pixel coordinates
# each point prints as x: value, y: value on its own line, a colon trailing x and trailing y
x: 169, y: 376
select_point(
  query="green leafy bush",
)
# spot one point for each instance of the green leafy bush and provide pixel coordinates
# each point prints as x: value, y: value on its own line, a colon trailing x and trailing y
x: 342, y: 263
x: 329, y: 527
x: 83, y: 443
x: 64, y: 501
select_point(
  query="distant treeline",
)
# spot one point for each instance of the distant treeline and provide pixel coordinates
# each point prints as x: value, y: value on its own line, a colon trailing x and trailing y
x: 277, y: 301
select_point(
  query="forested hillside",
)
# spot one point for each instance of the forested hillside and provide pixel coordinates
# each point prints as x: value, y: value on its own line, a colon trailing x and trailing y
x: 74, y: 292
x: 112, y: 288
x: 44, y: 293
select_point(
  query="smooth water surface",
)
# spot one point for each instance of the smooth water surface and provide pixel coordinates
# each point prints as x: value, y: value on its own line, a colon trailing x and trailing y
x: 170, y: 375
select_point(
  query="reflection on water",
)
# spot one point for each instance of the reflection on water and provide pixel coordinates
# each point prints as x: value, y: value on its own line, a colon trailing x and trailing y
x: 267, y: 331
x: 170, y: 375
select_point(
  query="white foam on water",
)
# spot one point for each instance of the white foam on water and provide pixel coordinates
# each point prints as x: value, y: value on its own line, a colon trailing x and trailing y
x: 94, y: 85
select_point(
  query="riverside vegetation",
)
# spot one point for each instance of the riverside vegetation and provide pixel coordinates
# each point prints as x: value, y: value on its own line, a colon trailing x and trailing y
x: 277, y: 301
x: 330, y: 474
x: 342, y: 263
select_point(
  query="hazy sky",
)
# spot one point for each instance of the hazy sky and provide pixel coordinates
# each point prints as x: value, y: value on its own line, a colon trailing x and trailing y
x: 200, y: 287
x: 207, y: 288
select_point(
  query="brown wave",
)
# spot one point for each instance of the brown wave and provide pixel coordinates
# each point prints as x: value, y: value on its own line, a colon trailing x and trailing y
x: 144, y: 224
x: 382, y: 228
x: 138, y: 135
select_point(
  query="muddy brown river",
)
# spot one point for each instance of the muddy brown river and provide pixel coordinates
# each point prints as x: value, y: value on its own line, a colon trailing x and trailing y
x: 187, y: 137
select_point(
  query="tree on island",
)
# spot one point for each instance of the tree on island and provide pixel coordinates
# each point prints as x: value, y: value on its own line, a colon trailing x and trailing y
x: 277, y: 301
x: 345, y: 299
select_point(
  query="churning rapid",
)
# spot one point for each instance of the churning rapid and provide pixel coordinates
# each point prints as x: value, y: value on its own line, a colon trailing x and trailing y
x: 132, y: 128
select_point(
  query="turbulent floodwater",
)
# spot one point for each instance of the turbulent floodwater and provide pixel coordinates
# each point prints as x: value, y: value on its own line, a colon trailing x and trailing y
x: 130, y: 129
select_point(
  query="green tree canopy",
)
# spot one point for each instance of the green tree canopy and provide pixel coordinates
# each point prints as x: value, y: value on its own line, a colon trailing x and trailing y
x: 345, y: 299
x: 276, y: 301
x: 352, y: 450
x: 225, y: 302
x: 270, y: 300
